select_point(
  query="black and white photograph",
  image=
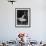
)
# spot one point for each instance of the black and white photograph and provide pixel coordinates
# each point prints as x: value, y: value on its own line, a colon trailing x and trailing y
x: 22, y: 17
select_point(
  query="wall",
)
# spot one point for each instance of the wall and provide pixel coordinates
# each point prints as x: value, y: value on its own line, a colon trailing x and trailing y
x: 37, y: 31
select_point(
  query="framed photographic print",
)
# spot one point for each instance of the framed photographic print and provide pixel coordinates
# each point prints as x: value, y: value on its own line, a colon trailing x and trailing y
x: 22, y: 17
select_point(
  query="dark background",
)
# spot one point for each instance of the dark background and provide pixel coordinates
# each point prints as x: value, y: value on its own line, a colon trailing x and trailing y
x: 19, y: 14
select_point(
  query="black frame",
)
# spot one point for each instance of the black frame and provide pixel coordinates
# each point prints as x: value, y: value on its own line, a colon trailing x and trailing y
x: 29, y: 17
